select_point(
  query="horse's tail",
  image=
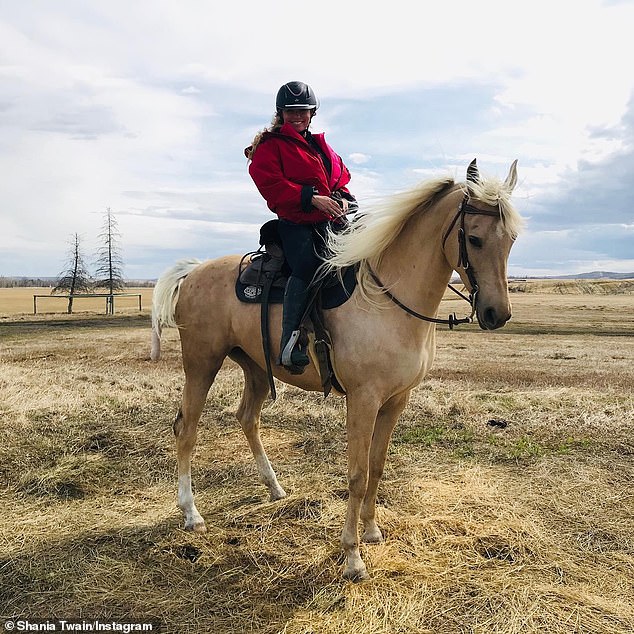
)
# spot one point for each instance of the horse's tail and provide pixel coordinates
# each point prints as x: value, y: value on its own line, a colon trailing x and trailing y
x: 164, y: 300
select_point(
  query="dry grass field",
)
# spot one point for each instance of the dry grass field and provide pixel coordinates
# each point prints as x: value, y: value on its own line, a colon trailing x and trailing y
x: 527, y: 527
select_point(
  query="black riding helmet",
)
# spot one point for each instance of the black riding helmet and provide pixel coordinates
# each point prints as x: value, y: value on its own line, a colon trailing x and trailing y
x: 296, y: 94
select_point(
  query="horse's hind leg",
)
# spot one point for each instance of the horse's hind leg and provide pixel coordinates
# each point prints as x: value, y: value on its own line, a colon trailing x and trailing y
x: 256, y: 389
x: 197, y: 384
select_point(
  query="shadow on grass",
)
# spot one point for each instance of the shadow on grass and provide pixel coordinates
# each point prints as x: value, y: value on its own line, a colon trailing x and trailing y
x: 185, y: 581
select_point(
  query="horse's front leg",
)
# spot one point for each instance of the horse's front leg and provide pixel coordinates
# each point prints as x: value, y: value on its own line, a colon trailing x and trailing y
x: 361, y: 416
x: 385, y: 423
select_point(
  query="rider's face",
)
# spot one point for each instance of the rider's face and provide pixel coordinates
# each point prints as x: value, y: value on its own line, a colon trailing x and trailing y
x: 297, y: 117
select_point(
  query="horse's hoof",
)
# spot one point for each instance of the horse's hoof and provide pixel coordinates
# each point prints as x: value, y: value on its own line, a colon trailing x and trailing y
x: 372, y: 537
x: 356, y: 574
x: 196, y: 527
x: 279, y: 494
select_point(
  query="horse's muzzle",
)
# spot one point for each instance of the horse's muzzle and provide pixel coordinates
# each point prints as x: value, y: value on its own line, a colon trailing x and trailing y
x: 491, y: 319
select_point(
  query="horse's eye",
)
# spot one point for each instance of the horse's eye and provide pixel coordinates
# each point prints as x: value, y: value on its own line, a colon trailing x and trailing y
x: 475, y: 241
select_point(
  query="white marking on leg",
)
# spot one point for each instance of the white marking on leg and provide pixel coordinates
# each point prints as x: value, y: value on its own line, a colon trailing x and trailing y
x: 268, y: 477
x: 193, y: 519
x: 155, y: 352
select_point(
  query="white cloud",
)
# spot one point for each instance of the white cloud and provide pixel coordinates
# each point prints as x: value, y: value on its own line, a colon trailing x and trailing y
x: 145, y: 107
x: 358, y: 158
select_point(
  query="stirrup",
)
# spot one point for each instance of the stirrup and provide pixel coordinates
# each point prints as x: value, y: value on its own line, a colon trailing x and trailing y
x: 286, y: 356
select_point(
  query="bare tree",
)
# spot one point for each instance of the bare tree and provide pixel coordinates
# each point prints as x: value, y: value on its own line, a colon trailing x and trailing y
x: 75, y: 278
x: 109, y: 271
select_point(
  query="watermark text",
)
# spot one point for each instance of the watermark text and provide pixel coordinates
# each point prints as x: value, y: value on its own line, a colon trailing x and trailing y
x: 62, y: 625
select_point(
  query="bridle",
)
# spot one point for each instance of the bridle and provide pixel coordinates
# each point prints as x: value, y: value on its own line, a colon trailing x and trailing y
x: 464, y: 208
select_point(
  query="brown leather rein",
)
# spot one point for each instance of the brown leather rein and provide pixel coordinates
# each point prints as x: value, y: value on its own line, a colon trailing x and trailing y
x: 463, y: 261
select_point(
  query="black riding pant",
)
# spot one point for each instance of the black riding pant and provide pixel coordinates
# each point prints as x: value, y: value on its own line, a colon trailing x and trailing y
x: 303, y: 244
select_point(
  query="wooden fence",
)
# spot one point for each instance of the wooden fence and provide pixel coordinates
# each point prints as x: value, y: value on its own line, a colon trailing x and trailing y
x: 109, y: 298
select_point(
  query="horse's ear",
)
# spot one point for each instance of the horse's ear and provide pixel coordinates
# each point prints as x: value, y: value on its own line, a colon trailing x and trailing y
x: 511, y: 179
x: 473, y: 174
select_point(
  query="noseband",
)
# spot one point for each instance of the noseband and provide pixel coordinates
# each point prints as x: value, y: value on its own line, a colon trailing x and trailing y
x: 463, y: 261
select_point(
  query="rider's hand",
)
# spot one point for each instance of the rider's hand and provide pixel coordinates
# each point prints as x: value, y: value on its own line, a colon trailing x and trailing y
x: 327, y: 205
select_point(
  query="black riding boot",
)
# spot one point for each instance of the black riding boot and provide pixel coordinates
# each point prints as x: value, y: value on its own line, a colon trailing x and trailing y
x: 296, y: 296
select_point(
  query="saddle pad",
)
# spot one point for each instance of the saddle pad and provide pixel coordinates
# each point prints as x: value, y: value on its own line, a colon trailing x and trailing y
x: 251, y: 294
x: 333, y: 294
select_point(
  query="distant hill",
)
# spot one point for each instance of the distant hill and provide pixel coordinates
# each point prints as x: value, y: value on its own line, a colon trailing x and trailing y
x: 598, y: 275
x: 593, y: 275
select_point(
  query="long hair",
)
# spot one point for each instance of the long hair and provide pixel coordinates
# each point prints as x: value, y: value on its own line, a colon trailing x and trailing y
x: 276, y: 124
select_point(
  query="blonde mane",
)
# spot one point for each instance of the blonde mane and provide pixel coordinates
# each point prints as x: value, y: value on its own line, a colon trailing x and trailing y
x: 372, y: 232
x: 493, y: 192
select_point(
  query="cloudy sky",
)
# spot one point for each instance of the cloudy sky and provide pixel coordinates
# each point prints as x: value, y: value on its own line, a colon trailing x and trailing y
x: 145, y: 107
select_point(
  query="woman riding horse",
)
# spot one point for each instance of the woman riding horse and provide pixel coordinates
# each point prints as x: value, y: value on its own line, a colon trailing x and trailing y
x: 304, y: 182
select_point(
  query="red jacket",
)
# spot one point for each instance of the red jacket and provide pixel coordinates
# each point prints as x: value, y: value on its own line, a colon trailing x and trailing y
x: 284, y: 165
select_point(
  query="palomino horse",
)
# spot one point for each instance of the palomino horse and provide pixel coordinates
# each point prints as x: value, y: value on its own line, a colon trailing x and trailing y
x: 411, y: 245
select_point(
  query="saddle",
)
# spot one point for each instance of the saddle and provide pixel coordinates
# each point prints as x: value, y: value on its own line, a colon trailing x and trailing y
x: 261, y: 279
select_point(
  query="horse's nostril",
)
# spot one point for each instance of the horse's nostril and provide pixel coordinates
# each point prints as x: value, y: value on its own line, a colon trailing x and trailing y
x: 490, y: 317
